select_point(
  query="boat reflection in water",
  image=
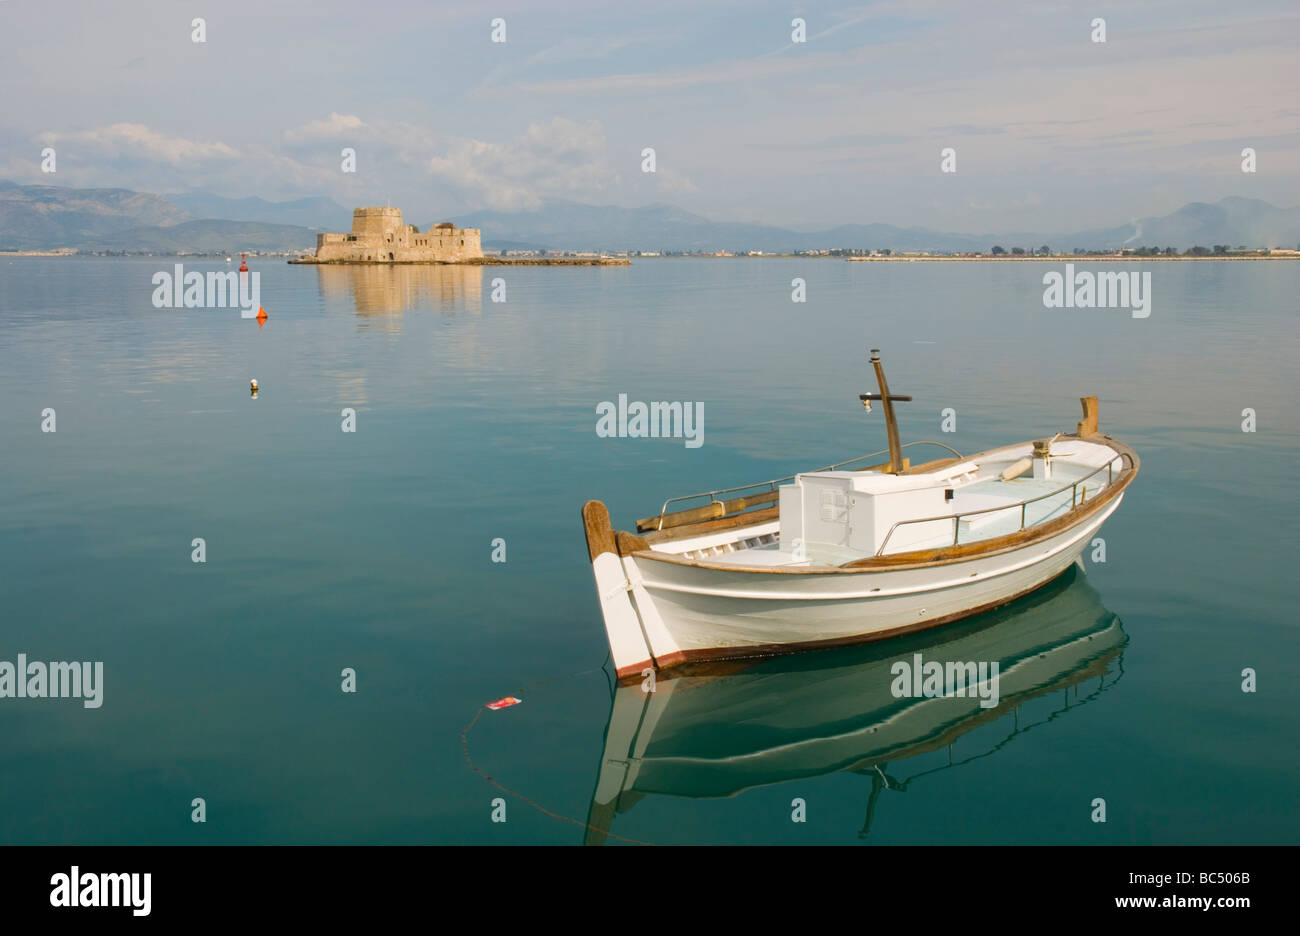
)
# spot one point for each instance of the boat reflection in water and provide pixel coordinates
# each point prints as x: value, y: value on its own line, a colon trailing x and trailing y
x: 724, y: 728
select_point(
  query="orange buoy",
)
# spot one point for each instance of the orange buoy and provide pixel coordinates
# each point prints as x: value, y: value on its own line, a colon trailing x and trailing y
x: 261, y: 316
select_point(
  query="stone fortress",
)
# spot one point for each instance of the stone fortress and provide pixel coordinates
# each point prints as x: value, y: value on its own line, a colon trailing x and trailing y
x: 379, y: 236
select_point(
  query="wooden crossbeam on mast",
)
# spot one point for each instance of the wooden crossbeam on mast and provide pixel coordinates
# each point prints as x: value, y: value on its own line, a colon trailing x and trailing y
x: 891, y: 422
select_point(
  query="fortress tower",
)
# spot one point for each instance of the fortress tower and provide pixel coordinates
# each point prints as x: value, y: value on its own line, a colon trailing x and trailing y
x: 375, y: 222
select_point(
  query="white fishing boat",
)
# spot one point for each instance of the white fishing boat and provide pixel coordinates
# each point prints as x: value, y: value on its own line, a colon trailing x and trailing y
x: 847, y: 554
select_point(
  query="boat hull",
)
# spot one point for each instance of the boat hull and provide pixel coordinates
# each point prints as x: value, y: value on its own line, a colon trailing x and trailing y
x: 689, y: 612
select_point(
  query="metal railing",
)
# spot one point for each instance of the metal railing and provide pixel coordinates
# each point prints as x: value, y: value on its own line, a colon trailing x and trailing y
x: 1073, y: 488
x: 771, y: 485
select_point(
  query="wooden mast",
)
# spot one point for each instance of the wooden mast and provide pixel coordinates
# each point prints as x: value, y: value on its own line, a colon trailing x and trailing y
x: 891, y: 422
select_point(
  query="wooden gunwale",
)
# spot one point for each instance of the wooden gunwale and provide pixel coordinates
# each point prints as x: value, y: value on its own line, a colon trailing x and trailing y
x: 916, y: 558
x: 714, y: 510
x: 699, y: 528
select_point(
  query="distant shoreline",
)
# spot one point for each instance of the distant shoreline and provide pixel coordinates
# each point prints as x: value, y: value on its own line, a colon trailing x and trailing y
x: 475, y: 261
x: 308, y: 261
x: 1056, y: 258
x: 626, y: 260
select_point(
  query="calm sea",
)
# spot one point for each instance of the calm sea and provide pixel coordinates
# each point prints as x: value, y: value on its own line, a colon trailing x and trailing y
x: 475, y: 423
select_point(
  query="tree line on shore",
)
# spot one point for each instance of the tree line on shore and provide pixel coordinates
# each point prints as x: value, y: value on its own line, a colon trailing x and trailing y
x: 1045, y: 251
x: 1195, y: 251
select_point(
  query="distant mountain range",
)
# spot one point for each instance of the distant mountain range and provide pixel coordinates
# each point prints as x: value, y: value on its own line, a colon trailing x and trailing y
x: 573, y: 226
x: 319, y: 212
x: 570, y: 226
x: 43, y: 217
x: 1236, y: 222
x: 34, y: 217
x: 206, y: 236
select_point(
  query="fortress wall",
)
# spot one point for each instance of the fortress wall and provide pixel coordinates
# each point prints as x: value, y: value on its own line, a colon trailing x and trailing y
x: 473, y: 246
x: 330, y: 246
x: 447, y: 249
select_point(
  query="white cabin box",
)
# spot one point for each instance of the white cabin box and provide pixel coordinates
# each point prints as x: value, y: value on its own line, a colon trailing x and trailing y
x: 815, y: 511
x: 850, y: 513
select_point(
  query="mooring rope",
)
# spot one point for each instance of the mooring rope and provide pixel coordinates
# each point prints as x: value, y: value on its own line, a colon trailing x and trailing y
x: 464, y: 746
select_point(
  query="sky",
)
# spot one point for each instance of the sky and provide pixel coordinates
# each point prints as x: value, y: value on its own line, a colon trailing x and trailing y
x: 1051, y: 129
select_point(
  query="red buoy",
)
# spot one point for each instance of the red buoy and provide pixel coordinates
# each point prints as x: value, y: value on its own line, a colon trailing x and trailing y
x: 243, y: 265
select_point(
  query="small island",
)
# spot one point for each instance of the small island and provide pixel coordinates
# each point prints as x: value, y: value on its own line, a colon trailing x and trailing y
x: 379, y: 236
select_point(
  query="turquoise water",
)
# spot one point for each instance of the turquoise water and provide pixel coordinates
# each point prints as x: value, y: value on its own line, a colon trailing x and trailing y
x: 475, y: 421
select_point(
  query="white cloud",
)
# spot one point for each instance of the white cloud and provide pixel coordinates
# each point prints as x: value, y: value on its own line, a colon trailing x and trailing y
x: 561, y: 158
x: 139, y: 141
x: 136, y: 156
x: 379, y: 142
x: 333, y: 127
